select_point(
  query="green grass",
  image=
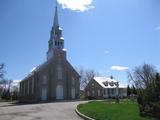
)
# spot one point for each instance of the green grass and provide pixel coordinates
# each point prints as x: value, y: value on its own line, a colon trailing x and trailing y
x: 105, y: 110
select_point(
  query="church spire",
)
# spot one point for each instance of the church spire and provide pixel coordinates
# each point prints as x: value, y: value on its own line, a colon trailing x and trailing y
x: 56, y: 17
x: 56, y: 39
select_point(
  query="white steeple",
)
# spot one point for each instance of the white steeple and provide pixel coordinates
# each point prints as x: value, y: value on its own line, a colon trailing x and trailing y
x: 56, y: 39
x: 56, y: 17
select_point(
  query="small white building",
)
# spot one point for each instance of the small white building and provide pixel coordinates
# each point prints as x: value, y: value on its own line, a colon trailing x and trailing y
x: 105, y: 87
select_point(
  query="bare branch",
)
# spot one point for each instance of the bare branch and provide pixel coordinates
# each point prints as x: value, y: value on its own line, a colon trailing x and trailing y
x: 142, y: 76
x: 86, y: 76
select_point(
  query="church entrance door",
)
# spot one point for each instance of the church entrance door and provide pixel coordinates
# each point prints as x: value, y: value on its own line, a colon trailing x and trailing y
x: 44, y: 94
x: 59, y: 92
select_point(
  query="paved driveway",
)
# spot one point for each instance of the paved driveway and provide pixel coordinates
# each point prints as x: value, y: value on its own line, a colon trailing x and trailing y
x: 43, y: 111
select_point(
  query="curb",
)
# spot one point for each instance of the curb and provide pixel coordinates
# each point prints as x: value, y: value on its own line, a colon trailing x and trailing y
x: 83, y: 116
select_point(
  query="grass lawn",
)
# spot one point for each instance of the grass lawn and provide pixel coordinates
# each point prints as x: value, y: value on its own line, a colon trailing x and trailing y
x: 105, y: 110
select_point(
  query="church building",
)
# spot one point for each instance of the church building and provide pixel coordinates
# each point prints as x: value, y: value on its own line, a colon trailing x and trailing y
x: 55, y: 79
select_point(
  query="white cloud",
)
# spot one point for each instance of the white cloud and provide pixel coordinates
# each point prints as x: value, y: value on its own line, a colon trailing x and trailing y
x: 16, y: 81
x: 107, y: 52
x: 158, y: 28
x: 76, y: 5
x: 119, y: 68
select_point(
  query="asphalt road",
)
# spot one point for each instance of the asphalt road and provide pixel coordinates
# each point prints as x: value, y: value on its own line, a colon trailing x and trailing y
x: 42, y: 111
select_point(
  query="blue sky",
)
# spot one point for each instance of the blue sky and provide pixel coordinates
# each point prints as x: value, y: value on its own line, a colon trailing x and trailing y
x: 109, y: 36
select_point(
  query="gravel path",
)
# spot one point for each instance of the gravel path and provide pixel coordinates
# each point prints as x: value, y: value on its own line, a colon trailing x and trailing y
x: 42, y: 111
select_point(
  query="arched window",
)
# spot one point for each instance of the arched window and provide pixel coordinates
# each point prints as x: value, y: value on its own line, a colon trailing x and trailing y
x: 98, y: 92
x: 28, y: 87
x: 44, y: 79
x: 92, y: 92
x: 24, y: 88
x: 32, y: 85
x: 59, y: 72
x: 73, y: 81
x: 88, y: 93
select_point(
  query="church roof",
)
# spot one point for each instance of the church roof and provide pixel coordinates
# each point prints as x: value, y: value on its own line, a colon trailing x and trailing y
x: 102, y: 80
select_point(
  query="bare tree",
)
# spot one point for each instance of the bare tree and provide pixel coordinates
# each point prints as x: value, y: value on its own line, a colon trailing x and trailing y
x: 2, y: 71
x: 86, y: 76
x: 9, y: 85
x: 5, y: 84
x: 147, y: 81
x: 142, y: 76
x: 15, y: 92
